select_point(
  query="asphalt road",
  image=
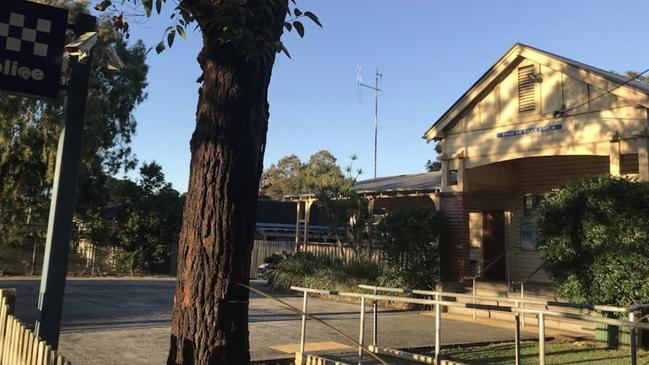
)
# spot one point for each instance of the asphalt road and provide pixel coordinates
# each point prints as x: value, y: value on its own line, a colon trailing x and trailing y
x: 128, y: 322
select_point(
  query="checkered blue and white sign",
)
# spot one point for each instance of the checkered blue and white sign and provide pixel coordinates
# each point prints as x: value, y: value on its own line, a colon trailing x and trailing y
x: 32, y: 40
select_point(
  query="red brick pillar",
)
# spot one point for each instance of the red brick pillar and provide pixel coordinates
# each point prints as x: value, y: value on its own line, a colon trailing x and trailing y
x: 454, y: 238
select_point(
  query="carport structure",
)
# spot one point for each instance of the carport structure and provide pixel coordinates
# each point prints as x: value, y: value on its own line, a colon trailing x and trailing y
x: 384, y: 194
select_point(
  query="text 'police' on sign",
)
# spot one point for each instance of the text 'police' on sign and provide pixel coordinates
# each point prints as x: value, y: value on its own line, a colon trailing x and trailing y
x: 32, y: 40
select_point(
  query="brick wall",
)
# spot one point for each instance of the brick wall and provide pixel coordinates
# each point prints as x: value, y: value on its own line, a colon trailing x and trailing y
x: 454, y: 240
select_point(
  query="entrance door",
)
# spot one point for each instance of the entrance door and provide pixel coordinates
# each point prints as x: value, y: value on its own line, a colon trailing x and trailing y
x: 493, y: 245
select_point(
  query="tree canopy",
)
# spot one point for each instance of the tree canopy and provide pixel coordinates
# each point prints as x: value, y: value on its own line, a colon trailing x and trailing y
x: 289, y: 176
x: 29, y: 130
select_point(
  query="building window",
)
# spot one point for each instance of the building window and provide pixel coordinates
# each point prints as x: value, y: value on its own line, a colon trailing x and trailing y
x: 528, y: 228
x: 452, y: 177
x: 530, y: 203
x: 526, y: 88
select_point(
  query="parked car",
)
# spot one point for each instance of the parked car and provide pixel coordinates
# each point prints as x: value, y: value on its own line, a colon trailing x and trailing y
x: 261, y: 270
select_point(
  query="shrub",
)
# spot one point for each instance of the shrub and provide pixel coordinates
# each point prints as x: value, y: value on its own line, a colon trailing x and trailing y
x: 409, y: 259
x: 594, y: 240
x: 409, y: 239
x: 321, y: 272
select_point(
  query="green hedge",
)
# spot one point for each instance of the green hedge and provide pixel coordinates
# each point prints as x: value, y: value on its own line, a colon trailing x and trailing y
x: 594, y: 239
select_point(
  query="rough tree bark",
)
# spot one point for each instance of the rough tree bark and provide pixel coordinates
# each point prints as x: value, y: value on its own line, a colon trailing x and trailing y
x: 210, y: 312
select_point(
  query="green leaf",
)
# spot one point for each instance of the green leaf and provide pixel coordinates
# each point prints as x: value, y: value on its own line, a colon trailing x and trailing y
x: 170, y: 38
x: 297, y: 12
x: 284, y: 49
x: 313, y: 18
x: 299, y: 28
x: 148, y: 6
x: 288, y: 26
x: 158, y: 6
x: 181, y: 32
x: 160, y: 47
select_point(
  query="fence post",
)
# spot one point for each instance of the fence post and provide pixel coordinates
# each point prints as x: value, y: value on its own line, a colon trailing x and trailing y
x: 10, y: 299
x: 632, y: 339
x: 522, y: 303
x: 517, y: 339
x: 303, y: 335
x: 474, y: 302
x: 541, y: 339
x: 361, y: 335
x: 375, y: 320
x: 438, y: 332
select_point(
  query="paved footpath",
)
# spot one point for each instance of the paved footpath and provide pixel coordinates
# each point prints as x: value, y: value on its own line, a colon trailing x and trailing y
x: 127, y: 321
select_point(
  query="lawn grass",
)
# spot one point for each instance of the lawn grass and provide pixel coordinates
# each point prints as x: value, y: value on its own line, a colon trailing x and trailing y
x: 556, y: 352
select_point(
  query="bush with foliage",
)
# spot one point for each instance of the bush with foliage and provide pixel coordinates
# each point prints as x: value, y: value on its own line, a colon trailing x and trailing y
x: 409, y: 259
x: 409, y: 241
x: 594, y: 240
x: 308, y: 270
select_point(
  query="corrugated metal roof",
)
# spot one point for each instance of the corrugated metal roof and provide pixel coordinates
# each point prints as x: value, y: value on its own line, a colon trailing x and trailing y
x: 425, y: 182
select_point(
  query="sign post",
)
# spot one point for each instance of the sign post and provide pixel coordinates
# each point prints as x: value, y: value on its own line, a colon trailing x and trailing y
x: 66, y: 175
x: 32, y: 43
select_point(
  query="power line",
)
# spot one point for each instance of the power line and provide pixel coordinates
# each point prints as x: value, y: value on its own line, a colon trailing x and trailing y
x: 563, y: 113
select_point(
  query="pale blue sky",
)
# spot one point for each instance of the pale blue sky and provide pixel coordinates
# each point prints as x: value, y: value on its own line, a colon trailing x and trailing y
x: 429, y: 52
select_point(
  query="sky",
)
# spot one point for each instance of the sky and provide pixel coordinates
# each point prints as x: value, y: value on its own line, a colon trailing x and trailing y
x: 429, y: 52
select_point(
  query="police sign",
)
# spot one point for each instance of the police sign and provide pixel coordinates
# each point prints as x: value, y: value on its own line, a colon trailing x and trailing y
x: 32, y: 39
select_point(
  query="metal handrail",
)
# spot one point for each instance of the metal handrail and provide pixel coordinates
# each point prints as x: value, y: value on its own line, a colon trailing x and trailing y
x: 631, y: 323
x: 484, y: 270
x: 491, y: 264
x: 546, y: 303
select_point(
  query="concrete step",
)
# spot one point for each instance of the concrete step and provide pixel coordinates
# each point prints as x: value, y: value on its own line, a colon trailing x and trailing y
x: 565, y: 325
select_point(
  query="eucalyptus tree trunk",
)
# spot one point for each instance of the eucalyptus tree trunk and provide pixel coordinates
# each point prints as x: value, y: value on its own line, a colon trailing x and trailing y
x: 210, y: 312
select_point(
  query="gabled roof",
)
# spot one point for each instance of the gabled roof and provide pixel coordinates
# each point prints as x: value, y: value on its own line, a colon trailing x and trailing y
x: 398, y: 185
x: 634, y: 91
x: 420, y: 183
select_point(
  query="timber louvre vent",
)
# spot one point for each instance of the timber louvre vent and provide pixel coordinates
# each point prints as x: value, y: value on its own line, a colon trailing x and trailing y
x: 526, y: 86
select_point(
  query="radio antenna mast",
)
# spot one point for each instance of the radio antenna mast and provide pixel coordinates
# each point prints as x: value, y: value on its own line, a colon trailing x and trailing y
x: 377, y: 92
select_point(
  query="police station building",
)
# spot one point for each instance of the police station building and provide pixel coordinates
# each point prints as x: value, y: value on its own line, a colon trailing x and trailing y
x: 532, y: 122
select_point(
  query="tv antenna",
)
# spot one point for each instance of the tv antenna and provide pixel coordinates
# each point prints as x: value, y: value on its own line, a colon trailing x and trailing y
x: 377, y: 92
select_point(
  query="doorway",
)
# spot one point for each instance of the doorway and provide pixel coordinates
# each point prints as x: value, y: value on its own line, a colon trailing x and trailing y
x: 493, y: 245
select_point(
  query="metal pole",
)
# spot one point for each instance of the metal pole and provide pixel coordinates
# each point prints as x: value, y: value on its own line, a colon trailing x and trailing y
x: 59, y: 228
x: 474, y: 301
x: 632, y: 341
x: 303, y: 335
x: 361, y: 335
x: 375, y: 320
x: 376, y: 119
x: 541, y: 339
x: 517, y: 339
x: 438, y: 332
x: 522, y: 304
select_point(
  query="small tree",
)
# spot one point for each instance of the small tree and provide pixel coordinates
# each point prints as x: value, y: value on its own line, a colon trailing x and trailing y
x: 594, y: 240
x: 151, y: 223
x: 344, y: 209
x: 409, y: 239
x: 435, y: 165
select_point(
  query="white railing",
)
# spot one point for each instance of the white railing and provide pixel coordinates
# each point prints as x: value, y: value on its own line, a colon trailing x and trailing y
x: 438, y: 302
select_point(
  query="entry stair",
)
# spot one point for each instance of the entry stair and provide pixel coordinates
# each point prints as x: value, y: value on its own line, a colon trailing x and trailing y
x: 533, y: 292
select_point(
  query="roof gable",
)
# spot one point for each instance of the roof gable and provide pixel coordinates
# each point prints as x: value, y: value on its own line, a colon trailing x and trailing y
x: 633, y: 91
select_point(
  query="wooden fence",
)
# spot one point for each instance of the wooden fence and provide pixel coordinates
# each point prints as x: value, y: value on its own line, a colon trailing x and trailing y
x: 264, y: 249
x: 18, y: 344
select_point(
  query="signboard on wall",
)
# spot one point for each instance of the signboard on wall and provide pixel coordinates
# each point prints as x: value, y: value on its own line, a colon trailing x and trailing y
x: 532, y: 130
x: 32, y: 40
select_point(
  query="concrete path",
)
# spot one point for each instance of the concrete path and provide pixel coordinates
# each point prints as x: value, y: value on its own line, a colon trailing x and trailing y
x: 126, y: 321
